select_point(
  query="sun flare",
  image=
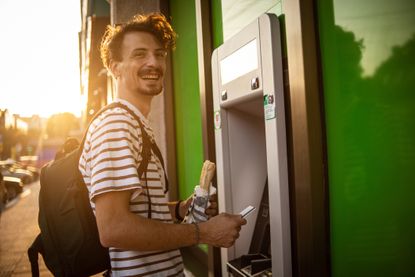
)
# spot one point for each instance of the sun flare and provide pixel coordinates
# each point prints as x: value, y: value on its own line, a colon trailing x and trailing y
x: 40, y: 66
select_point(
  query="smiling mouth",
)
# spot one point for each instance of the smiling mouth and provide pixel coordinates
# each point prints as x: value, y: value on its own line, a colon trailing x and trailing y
x: 150, y: 77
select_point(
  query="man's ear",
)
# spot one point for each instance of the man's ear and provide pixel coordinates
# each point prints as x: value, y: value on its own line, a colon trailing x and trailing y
x: 115, y: 69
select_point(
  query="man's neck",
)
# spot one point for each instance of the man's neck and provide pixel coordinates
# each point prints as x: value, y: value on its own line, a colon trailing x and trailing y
x: 141, y: 102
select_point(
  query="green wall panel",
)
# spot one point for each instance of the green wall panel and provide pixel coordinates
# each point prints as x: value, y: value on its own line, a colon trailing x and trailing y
x: 368, y: 54
x: 217, y: 32
x: 188, y: 119
x: 101, y: 8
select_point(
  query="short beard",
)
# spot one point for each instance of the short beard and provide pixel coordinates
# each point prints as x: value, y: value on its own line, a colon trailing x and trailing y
x: 152, y: 92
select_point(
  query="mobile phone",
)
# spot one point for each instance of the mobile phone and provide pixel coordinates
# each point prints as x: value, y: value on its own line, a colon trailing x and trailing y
x: 245, y: 212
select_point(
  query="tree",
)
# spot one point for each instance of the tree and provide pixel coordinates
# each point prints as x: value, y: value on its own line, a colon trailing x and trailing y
x: 60, y: 125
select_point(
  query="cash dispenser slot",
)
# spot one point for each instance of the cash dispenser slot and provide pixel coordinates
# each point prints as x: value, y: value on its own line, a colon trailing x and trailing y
x: 258, y: 261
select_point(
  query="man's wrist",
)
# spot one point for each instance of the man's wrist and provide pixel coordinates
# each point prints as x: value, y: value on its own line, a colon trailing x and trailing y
x: 177, y: 215
x: 197, y: 233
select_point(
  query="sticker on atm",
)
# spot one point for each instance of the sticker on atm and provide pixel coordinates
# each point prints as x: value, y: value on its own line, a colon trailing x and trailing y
x: 269, y: 106
x: 217, y: 120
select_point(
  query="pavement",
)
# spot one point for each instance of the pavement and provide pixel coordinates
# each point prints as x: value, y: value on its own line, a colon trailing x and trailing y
x: 18, y: 229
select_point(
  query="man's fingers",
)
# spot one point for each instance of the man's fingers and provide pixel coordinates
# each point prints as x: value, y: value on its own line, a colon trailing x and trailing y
x: 213, y: 198
x: 213, y: 205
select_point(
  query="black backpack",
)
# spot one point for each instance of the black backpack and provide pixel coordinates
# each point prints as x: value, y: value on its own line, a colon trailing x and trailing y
x: 69, y: 240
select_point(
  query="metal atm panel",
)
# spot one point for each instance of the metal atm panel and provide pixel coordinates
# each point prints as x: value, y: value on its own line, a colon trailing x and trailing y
x: 250, y: 136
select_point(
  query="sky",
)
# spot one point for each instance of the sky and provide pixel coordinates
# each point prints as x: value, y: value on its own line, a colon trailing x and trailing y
x: 380, y: 24
x: 39, y: 57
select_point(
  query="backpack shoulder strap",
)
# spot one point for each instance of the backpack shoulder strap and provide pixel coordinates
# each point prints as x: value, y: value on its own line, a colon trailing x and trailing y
x: 103, y: 109
x: 32, y: 252
x: 146, y: 153
x: 146, y: 139
x: 148, y: 145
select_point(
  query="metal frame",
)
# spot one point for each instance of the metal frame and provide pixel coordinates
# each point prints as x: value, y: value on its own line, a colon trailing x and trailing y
x: 204, y: 51
x: 308, y: 185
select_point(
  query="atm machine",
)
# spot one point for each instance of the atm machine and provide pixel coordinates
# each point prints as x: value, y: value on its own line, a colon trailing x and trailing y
x: 251, y: 151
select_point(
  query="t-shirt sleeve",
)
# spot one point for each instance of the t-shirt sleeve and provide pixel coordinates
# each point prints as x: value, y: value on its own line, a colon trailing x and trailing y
x: 114, y: 149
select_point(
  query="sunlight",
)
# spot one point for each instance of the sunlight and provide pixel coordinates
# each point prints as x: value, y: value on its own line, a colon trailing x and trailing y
x: 40, y: 62
x: 44, y: 103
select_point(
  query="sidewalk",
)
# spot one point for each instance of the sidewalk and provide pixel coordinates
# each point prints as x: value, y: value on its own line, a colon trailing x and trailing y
x: 18, y: 228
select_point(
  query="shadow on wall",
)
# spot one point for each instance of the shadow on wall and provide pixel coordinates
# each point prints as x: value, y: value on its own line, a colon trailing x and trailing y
x: 371, y: 151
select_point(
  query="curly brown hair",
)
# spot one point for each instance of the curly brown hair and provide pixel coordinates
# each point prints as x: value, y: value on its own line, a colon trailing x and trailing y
x: 154, y: 23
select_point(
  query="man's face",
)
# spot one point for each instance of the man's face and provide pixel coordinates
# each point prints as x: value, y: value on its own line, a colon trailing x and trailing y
x: 143, y: 64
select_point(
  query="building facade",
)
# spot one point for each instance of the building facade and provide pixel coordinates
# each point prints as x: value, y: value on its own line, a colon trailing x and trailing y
x: 348, y: 78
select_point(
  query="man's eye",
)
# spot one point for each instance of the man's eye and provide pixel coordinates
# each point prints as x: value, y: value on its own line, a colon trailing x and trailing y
x: 161, y: 54
x: 139, y: 55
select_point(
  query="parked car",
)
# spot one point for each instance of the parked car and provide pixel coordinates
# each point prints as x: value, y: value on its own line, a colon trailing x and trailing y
x: 3, y: 194
x: 19, y: 165
x: 33, y: 169
x: 11, y: 170
x: 14, y: 186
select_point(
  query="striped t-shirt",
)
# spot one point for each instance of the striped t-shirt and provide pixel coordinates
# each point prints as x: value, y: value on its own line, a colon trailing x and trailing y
x: 109, y: 162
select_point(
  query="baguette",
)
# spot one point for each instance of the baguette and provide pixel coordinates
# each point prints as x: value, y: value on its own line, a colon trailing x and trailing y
x: 206, y: 176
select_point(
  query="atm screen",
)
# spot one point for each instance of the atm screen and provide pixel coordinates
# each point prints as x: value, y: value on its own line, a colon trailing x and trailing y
x: 240, y: 62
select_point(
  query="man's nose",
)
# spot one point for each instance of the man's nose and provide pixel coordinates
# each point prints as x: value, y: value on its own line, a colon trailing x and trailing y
x: 153, y: 60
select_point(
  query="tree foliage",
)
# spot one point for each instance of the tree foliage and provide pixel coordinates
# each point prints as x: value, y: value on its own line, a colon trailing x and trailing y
x: 60, y: 125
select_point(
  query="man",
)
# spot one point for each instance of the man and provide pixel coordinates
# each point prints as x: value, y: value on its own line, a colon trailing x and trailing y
x: 133, y: 215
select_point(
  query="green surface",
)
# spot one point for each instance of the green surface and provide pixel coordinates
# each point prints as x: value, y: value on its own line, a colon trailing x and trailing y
x: 188, y: 121
x: 368, y: 54
x: 101, y: 8
x: 217, y: 32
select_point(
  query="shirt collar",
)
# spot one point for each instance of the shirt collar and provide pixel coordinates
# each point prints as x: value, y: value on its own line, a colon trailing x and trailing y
x: 135, y: 110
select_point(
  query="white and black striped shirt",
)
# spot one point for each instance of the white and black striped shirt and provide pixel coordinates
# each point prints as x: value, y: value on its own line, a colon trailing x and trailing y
x: 109, y: 162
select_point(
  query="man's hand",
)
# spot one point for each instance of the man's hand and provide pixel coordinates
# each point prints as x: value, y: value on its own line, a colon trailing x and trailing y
x: 184, y: 206
x: 221, y: 230
x: 211, y: 210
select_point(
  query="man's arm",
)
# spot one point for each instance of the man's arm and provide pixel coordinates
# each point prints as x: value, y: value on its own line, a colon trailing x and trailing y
x: 120, y: 228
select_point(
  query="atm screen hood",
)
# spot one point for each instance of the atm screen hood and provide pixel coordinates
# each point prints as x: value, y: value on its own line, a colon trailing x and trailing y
x: 240, y: 62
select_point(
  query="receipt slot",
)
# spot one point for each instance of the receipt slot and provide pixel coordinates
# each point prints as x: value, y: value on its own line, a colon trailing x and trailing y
x: 251, y: 152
